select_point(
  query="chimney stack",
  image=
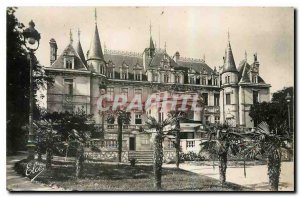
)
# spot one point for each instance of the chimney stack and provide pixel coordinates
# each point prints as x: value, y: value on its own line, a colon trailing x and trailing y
x: 176, y: 56
x: 53, y: 50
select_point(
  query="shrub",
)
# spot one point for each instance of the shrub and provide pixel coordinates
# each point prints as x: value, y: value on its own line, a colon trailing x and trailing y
x: 191, y: 156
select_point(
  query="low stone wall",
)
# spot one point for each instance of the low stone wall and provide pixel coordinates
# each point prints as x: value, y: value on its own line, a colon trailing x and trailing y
x: 111, y: 156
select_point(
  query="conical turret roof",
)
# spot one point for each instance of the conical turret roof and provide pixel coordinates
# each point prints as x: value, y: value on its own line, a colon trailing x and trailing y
x: 229, y: 64
x: 151, y: 43
x: 95, y: 51
x: 80, y: 51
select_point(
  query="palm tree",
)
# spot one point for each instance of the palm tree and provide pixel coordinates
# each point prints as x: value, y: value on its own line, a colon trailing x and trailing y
x: 123, y: 117
x: 159, y: 132
x: 176, y: 117
x: 268, y: 143
x: 222, y: 141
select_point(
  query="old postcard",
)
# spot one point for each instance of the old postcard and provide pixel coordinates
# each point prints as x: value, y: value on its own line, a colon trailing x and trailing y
x: 150, y: 99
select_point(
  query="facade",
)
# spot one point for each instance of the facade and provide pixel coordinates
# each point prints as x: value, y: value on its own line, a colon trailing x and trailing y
x: 80, y: 80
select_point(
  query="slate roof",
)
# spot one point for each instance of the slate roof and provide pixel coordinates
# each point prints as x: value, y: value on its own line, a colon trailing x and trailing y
x: 80, y: 52
x: 59, y: 63
x: 229, y: 64
x: 120, y: 59
x: 95, y: 51
x: 244, y: 73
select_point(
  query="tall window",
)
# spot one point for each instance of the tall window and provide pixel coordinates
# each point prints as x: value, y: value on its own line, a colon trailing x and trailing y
x: 228, y: 101
x: 124, y: 91
x: 217, y: 119
x: 216, y: 99
x: 138, y: 118
x: 205, y: 98
x: 166, y: 78
x: 160, y: 116
x: 69, y: 86
x: 227, y: 79
x: 255, y: 97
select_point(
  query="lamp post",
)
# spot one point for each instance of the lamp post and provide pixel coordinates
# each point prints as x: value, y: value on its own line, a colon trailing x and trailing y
x: 288, y: 100
x: 32, y: 41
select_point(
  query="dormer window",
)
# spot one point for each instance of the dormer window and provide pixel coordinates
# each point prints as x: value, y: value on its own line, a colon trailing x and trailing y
x: 192, y: 80
x: 69, y: 62
x: 254, y: 79
x: 124, y: 72
x: 203, y: 80
x: 177, y: 78
x: 155, y: 77
x: 215, y: 81
x: 138, y: 75
x: 166, y: 78
x: 111, y: 73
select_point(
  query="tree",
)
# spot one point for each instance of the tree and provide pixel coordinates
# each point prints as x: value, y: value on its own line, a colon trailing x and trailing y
x: 268, y: 143
x: 17, y: 72
x: 274, y: 112
x: 123, y: 117
x: 159, y: 134
x: 74, y: 130
x: 222, y: 141
x: 177, y: 116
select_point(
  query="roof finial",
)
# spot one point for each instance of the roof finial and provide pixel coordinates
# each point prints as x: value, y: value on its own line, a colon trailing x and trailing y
x: 246, y: 55
x: 78, y: 34
x: 228, y: 35
x: 204, y: 57
x: 159, y: 36
x: 150, y: 28
x: 96, y: 16
x: 71, y: 36
x: 165, y: 46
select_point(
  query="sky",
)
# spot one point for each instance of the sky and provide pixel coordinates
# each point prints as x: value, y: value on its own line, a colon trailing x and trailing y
x: 193, y: 31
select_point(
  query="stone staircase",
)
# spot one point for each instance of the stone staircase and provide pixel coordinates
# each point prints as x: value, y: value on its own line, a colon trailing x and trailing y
x: 144, y: 157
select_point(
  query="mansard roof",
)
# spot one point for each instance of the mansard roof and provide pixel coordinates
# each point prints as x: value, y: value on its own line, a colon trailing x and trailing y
x: 198, y: 65
x: 120, y: 58
x: 69, y: 51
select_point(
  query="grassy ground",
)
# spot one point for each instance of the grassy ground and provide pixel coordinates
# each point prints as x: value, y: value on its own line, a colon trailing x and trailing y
x: 108, y: 177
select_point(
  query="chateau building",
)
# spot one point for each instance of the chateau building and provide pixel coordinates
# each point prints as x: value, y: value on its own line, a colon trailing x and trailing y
x: 227, y: 92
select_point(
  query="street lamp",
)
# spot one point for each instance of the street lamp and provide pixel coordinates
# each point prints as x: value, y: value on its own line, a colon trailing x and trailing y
x: 288, y: 100
x: 32, y: 41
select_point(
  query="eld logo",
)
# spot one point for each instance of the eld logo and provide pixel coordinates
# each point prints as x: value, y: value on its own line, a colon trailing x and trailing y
x: 34, y: 169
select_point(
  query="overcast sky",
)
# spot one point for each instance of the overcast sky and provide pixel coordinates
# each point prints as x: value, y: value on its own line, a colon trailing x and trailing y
x: 193, y: 31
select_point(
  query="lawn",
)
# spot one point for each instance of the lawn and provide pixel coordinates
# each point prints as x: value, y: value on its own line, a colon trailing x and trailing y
x: 114, y: 177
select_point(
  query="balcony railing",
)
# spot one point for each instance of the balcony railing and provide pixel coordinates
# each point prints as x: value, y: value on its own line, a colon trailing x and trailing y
x: 212, y: 109
x: 125, y: 126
